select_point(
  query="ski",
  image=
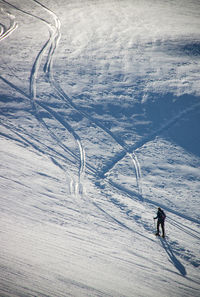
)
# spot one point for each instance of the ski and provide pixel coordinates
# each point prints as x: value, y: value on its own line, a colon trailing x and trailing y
x: 156, y: 234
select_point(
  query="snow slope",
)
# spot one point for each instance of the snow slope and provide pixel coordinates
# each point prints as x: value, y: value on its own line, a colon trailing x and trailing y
x: 99, y: 126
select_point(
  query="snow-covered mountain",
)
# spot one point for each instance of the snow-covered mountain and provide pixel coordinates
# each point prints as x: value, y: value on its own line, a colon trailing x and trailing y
x: 100, y: 115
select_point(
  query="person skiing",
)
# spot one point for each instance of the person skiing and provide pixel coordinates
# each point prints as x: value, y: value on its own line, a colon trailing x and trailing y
x: 160, y: 221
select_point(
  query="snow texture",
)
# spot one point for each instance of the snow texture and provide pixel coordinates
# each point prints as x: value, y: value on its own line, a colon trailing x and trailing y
x: 100, y: 116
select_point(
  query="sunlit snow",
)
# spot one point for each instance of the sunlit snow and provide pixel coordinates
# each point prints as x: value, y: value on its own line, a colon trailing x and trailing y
x: 100, y: 117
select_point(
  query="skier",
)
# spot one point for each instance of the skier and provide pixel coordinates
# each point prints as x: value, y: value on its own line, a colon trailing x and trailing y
x: 160, y: 221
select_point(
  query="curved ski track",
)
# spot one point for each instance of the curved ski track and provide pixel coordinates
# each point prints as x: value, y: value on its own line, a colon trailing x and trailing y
x: 52, y: 42
x: 48, y: 69
x: 6, y: 31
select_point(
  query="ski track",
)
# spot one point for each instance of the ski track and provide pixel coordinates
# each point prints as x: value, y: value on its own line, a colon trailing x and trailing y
x: 103, y: 172
x: 138, y: 171
x: 90, y: 168
x: 49, y: 72
x: 52, y: 134
x: 119, y: 222
x: 6, y: 31
x: 33, y: 78
x: 53, y: 42
x: 54, y: 33
x: 47, y: 149
x: 135, y: 196
x: 48, y: 69
x: 2, y: 29
x: 138, y: 196
x: 120, y: 155
x: 172, y: 248
x: 192, y: 232
x: 75, y: 187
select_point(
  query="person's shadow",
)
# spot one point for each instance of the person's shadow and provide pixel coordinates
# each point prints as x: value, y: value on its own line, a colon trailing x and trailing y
x: 173, y: 258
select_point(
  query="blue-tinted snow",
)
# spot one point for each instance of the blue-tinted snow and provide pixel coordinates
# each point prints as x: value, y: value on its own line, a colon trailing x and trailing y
x: 99, y: 126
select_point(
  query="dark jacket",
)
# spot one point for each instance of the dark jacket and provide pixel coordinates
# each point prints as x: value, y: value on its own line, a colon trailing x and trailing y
x: 160, y: 215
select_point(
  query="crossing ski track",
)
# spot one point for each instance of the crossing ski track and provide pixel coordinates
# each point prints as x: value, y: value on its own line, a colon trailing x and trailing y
x: 120, y: 155
x: 51, y: 43
x: 54, y: 34
x: 50, y: 46
x: 48, y: 69
x: 53, y: 135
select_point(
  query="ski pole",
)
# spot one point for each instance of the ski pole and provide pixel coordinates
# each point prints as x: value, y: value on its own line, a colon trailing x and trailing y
x: 154, y: 224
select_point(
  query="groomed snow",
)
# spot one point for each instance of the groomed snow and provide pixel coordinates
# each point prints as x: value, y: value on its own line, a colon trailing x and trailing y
x: 100, y: 118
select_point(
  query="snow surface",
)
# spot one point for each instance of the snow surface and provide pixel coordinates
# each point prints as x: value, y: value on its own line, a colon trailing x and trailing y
x: 100, y: 117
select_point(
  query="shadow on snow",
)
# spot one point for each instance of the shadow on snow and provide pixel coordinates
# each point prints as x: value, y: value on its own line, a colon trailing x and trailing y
x: 177, y: 264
